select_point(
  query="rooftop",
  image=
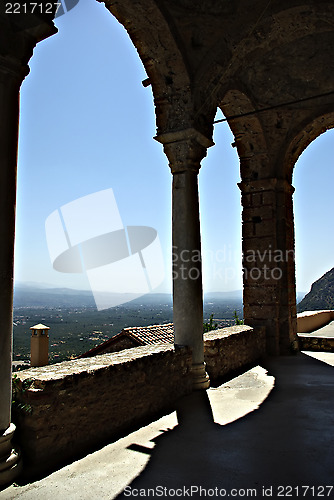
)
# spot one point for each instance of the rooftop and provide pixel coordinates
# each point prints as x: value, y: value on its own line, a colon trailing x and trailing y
x: 141, y: 335
x: 152, y: 334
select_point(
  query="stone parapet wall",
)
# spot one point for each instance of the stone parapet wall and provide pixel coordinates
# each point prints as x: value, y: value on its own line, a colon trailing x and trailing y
x: 229, y: 349
x: 308, y: 321
x: 308, y: 343
x: 77, y: 406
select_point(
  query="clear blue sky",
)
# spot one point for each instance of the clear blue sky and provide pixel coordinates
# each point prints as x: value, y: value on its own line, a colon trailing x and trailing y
x: 87, y: 124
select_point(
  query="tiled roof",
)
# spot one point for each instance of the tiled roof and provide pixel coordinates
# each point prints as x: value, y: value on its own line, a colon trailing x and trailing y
x: 154, y: 334
x: 140, y: 335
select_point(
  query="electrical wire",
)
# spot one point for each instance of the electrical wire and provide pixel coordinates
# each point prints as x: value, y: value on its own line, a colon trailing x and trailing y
x: 275, y: 106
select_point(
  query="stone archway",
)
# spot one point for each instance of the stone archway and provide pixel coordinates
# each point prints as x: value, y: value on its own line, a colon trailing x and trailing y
x: 196, y: 53
x: 268, y: 221
x: 305, y: 134
x: 267, y: 228
x: 312, y: 199
x: 313, y: 208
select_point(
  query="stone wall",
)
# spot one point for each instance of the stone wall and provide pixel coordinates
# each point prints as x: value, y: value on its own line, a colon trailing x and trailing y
x: 232, y: 348
x: 79, y: 405
x: 308, y: 321
x: 310, y: 343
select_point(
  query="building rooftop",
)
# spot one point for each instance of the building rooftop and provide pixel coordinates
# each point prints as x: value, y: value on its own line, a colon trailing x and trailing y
x: 152, y: 334
x: 141, y: 335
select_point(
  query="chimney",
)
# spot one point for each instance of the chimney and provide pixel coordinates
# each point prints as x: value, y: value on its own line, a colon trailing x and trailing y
x: 39, y: 345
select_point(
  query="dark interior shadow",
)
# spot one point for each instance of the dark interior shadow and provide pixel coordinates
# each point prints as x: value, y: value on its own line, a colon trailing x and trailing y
x: 287, y: 444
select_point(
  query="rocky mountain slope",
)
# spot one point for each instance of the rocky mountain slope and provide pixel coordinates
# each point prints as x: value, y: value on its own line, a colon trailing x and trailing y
x: 321, y: 295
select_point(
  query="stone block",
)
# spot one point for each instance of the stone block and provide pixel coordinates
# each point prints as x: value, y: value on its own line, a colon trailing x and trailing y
x: 229, y: 349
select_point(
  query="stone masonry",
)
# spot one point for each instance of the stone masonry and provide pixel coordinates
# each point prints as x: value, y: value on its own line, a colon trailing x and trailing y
x: 79, y: 405
x: 269, y: 67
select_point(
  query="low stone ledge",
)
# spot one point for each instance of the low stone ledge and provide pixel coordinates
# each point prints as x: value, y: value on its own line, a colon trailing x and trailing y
x: 77, y: 405
x: 308, y: 321
x: 308, y: 343
x: 230, y: 349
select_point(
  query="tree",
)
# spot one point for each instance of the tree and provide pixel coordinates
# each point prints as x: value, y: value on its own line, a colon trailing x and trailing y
x: 207, y: 327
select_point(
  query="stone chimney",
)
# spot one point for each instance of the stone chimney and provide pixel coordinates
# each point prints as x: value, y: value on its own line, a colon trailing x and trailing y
x: 39, y: 345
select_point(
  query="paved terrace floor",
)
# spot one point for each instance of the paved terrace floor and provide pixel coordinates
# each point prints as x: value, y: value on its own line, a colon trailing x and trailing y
x: 271, y: 427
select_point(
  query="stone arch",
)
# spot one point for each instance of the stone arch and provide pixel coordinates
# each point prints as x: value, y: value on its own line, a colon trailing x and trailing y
x: 154, y: 36
x: 267, y: 224
x: 306, y: 134
x: 195, y: 53
x: 266, y: 31
x: 250, y: 140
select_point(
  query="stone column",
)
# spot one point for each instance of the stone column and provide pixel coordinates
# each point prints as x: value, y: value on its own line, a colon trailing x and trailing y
x: 9, y: 105
x: 185, y: 150
x: 20, y: 34
x: 269, y: 261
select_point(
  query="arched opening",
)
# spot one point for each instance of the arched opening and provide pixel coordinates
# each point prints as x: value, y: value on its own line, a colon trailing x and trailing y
x: 263, y: 187
x: 220, y: 209
x: 313, y: 178
x: 87, y: 124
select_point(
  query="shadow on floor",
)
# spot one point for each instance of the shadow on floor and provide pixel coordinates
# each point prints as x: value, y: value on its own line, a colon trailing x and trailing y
x: 287, y: 444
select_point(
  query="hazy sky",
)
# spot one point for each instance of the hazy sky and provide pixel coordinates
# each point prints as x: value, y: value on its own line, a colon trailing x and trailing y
x: 87, y: 124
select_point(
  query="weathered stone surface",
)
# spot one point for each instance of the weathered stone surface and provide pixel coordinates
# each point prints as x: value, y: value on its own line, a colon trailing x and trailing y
x: 307, y: 343
x: 77, y: 405
x: 309, y: 321
x: 230, y: 349
x: 268, y: 67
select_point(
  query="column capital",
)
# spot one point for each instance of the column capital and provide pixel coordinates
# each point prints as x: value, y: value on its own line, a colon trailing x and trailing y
x: 269, y: 184
x: 184, y: 135
x: 184, y: 149
x: 13, y: 69
x: 21, y: 33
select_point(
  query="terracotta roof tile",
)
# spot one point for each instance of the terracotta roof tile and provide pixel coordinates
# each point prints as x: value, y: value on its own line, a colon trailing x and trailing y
x: 141, y: 335
x: 153, y: 334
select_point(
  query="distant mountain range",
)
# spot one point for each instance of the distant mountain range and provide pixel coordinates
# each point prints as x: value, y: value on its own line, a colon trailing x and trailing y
x: 36, y: 295
x: 43, y: 295
x: 29, y: 296
x: 321, y: 295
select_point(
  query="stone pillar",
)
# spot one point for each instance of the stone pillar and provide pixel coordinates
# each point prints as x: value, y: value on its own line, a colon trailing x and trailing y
x: 269, y: 261
x: 9, y: 105
x: 185, y: 150
x: 20, y: 34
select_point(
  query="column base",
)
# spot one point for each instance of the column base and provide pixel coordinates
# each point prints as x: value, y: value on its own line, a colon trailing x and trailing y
x: 200, y: 377
x: 10, y: 463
